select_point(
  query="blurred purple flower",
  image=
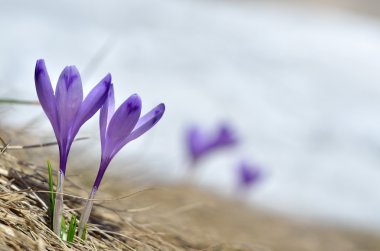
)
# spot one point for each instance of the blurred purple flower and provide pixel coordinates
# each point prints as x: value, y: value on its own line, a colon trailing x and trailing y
x: 67, y: 112
x: 200, y: 144
x: 117, y: 128
x: 248, y: 174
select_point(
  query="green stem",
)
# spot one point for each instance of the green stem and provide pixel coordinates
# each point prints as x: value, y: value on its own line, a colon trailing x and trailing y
x: 51, y: 194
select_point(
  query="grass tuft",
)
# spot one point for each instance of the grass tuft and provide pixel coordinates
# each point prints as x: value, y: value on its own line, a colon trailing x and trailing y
x: 72, y: 229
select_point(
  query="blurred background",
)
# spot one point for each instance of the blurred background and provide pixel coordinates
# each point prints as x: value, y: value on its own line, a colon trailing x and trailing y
x: 297, y: 80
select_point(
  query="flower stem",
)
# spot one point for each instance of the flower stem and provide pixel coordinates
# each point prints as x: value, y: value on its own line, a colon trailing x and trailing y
x: 86, y: 211
x: 58, y: 204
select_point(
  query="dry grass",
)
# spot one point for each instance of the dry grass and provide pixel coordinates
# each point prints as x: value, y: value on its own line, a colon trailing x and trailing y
x: 23, y: 207
x: 24, y: 222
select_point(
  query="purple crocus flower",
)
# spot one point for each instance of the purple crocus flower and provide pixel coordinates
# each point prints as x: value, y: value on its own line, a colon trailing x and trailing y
x: 200, y: 144
x: 248, y: 174
x: 117, y: 128
x: 67, y: 112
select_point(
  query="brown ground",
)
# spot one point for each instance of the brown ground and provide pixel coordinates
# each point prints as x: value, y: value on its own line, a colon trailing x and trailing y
x: 206, y: 219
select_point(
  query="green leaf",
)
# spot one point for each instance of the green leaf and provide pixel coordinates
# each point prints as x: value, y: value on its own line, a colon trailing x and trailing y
x: 72, y: 229
x: 84, y: 232
x: 51, y: 194
x: 63, y: 229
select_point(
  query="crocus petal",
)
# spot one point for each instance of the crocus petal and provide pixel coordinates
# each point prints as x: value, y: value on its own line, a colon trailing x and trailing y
x: 146, y: 122
x: 45, y: 94
x: 196, y: 143
x: 249, y: 174
x: 69, y: 96
x: 226, y: 135
x: 121, y: 124
x: 91, y: 104
x: 200, y: 144
x: 106, y: 113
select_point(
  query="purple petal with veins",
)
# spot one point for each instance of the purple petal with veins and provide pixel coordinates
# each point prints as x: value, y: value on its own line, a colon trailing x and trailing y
x: 91, y: 104
x: 69, y: 96
x: 106, y: 113
x: 121, y: 124
x: 146, y: 122
x: 45, y: 94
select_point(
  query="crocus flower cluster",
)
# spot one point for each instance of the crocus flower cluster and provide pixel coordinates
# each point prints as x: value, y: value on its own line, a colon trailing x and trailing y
x: 67, y: 112
x: 201, y: 143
